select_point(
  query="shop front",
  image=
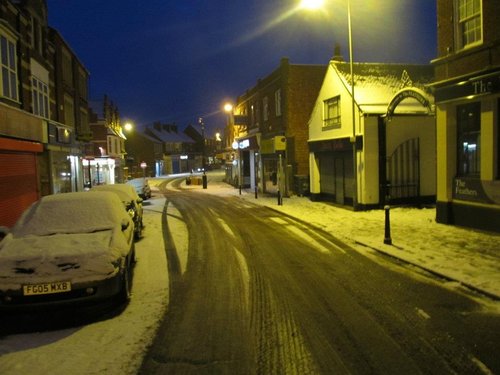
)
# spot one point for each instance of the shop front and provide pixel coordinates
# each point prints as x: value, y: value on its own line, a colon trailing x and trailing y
x: 468, y: 136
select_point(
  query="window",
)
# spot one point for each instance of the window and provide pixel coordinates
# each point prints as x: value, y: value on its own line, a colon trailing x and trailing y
x: 40, y: 96
x: 9, y: 67
x: 277, y: 102
x: 469, y: 139
x: 67, y: 68
x: 331, y: 114
x: 63, y: 135
x: 469, y: 23
x: 69, y: 111
x: 265, y: 108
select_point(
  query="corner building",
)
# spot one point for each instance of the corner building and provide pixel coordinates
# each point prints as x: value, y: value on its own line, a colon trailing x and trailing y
x: 467, y: 95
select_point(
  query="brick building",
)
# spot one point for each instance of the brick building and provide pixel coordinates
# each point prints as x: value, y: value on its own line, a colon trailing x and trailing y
x: 271, y: 123
x: 43, y: 115
x: 467, y: 93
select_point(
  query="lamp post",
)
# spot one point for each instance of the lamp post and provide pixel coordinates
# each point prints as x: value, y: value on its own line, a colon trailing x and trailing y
x: 316, y: 4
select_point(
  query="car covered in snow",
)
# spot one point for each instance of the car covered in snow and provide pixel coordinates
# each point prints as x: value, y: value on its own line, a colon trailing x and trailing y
x: 141, y: 186
x: 131, y: 201
x: 66, y: 249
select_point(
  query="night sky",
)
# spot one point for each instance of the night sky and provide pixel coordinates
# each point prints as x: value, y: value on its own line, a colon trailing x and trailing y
x: 176, y: 61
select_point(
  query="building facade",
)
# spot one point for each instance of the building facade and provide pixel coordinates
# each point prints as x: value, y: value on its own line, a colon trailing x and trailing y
x: 379, y: 147
x: 270, y: 128
x: 467, y: 93
x: 105, y: 154
x: 40, y: 133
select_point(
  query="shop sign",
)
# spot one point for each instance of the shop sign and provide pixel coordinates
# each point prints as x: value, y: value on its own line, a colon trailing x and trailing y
x: 470, y: 88
x: 470, y: 189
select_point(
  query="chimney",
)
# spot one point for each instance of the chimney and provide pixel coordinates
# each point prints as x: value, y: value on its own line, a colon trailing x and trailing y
x: 336, y: 53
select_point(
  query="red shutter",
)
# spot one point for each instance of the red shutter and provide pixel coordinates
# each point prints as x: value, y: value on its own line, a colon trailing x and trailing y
x: 18, y: 185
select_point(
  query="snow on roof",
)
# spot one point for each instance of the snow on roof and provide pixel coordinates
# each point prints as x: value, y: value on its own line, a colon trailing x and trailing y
x: 124, y: 191
x: 168, y: 136
x: 375, y: 84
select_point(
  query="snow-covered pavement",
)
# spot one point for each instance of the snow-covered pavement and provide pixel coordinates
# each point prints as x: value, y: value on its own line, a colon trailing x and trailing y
x: 466, y: 256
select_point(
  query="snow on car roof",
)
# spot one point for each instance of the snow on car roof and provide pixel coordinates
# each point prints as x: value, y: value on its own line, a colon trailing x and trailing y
x: 125, y: 192
x: 77, y: 212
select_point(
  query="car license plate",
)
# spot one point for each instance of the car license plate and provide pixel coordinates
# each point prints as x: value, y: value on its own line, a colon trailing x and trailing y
x: 46, y: 288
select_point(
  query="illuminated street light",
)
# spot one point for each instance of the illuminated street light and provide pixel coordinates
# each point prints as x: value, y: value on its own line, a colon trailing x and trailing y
x: 311, y: 4
x: 228, y: 108
x: 316, y: 4
x: 128, y: 126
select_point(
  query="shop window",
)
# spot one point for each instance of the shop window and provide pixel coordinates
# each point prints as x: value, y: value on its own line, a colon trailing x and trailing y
x: 468, y: 23
x: 469, y: 139
x: 331, y: 113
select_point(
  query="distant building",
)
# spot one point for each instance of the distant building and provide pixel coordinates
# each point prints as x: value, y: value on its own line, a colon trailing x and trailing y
x: 143, y: 148
x: 179, y: 155
x: 269, y: 125
x: 105, y: 154
x: 43, y: 109
x: 467, y: 92
x: 388, y: 154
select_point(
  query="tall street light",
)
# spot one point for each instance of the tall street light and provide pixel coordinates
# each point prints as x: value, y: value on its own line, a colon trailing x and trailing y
x: 317, y: 4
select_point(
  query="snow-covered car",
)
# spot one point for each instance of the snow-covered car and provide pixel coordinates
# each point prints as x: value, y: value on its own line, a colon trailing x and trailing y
x: 67, y: 249
x: 141, y: 186
x: 131, y: 201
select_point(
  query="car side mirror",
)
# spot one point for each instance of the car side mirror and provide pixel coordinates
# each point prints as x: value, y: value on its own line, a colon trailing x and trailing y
x: 125, y: 224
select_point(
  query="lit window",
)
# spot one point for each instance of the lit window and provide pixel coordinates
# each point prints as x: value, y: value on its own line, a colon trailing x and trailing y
x: 40, y: 96
x: 469, y: 23
x: 331, y: 116
x: 469, y: 139
x: 9, y: 67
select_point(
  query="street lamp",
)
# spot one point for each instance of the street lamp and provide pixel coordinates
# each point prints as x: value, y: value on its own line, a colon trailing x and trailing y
x: 316, y: 4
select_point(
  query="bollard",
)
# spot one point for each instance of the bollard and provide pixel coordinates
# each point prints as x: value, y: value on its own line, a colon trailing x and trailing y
x: 204, y: 179
x: 387, y: 237
x: 280, y: 201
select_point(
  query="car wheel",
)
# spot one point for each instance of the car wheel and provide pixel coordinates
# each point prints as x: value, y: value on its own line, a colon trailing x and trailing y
x: 125, y: 291
x: 138, y: 231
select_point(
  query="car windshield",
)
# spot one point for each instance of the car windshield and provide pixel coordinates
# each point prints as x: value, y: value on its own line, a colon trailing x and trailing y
x: 71, y: 213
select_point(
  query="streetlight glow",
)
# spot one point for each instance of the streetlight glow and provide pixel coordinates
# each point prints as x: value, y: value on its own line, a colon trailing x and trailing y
x: 311, y: 4
x: 228, y: 107
x: 128, y: 126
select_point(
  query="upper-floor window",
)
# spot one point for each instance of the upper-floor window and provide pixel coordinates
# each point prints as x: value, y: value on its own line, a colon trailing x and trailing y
x: 469, y: 139
x: 67, y: 68
x: 9, y: 67
x: 331, y: 112
x: 37, y: 35
x: 69, y: 111
x: 265, y: 108
x: 82, y: 83
x: 277, y: 102
x: 468, y: 23
x: 40, y: 97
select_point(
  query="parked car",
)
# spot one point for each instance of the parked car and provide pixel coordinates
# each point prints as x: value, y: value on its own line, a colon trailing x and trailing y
x: 131, y: 201
x: 141, y: 186
x: 66, y: 249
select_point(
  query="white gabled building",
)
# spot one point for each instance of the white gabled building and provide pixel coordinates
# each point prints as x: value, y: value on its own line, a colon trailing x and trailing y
x: 393, y: 137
